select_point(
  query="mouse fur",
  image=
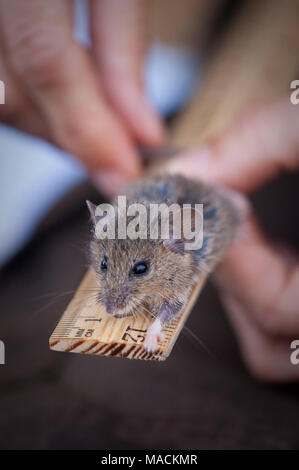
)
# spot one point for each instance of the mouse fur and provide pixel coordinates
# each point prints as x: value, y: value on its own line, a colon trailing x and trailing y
x: 171, y: 270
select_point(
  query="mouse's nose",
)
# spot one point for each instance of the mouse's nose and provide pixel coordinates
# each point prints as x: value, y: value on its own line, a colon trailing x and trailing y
x: 117, y: 300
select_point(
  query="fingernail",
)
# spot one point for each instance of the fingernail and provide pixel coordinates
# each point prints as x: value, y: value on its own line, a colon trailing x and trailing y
x: 108, y: 182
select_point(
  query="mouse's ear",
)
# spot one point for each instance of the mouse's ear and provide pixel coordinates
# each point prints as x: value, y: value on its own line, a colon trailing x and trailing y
x: 92, y: 210
x: 186, y: 231
x: 177, y: 245
x: 174, y: 236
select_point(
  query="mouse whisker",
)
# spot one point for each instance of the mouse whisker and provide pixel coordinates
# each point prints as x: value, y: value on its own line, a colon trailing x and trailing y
x: 135, y: 305
x: 52, y: 302
x: 199, y: 341
x: 193, y: 335
x: 149, y: 312
x: 54, y: 294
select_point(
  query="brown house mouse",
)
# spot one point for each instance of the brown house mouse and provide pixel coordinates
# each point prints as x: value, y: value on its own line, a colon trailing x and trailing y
x: 159, y: 274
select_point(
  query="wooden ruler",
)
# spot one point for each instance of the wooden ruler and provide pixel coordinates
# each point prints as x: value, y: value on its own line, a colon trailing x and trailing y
x: 256, y: 62
x: 85, y: 327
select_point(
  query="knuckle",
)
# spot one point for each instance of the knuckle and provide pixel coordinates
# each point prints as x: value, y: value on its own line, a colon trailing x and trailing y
x: 36, y: 54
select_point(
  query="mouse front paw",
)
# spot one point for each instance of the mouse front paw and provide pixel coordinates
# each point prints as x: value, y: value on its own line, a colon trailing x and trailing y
x: 152, y: 341
x: 153, y: 337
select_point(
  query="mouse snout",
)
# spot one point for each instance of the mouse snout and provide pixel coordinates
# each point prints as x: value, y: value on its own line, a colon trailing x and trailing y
x: 117, y: 300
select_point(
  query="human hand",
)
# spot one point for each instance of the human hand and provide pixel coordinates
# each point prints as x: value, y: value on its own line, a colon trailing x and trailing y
x: 88, y: 102
x: 259, y: 283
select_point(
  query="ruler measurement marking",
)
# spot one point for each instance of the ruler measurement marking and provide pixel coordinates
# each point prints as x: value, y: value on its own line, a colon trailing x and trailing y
x: 122, y: 337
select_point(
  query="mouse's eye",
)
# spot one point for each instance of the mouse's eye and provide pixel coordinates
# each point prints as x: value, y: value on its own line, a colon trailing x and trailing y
x: 104, y: 264
x: 140, y: 268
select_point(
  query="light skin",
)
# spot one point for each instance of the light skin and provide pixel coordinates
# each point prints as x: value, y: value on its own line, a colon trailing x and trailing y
x: 90, y: 102
x: 258, y: 282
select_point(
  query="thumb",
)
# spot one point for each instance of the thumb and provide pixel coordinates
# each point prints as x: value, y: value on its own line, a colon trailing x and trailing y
x: 254, y: 150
